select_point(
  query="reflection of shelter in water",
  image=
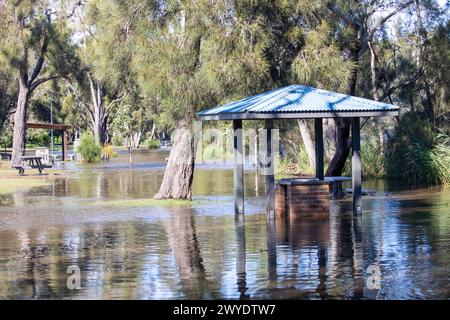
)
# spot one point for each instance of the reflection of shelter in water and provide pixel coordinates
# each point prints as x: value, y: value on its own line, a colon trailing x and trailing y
x: 305, y: 232
x: 322, y: 252
x: 306, y: 255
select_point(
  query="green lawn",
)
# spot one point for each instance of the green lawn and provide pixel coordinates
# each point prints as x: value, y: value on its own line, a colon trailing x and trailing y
x: 129, y: 203
x: 10, y: 181
x: 9, y: 185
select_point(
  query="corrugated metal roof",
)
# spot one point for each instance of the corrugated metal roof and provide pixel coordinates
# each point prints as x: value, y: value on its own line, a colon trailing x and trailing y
x: 299, y: 99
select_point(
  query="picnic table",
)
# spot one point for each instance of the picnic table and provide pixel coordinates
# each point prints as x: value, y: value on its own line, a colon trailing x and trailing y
x: 5, y: 155
x: 31, y: 162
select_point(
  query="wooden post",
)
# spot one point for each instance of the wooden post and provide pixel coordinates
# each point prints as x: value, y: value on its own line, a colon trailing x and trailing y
x: 270, y: 169
x: 238, y: 167
x: 64, y: 145
x: 318, y: 136
x: 356, y: 166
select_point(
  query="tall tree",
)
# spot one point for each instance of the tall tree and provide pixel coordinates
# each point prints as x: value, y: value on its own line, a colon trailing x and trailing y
x: 106, y: 31
x: 38, y: 48
x: 198, y: 56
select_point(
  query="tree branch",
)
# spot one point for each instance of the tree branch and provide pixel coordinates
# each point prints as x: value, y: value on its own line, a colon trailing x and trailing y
x: 40, y: 62
x: 120, y: 98
x: 80, y: 101
x: 386, y: 18
x: 333, y: 8
x: 389, y: 91
x: 41, y: 81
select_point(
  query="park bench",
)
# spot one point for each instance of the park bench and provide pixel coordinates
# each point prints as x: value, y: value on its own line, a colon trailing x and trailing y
x: 31, y: 162
x: 5, y: 155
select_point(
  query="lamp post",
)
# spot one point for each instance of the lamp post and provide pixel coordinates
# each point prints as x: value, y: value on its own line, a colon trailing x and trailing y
x: 51, y: 130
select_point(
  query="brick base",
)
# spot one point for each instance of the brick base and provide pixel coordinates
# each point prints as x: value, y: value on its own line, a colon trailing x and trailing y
x: 302, y: 200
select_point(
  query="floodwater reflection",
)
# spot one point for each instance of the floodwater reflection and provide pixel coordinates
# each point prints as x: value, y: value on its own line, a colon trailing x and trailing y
x: 206, y: 252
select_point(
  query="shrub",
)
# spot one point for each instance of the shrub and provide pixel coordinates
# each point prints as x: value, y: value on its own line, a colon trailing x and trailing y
x: 90, y: 150
x: 39, y: 137
x: 152, y: 144
x: 108, y: 152
x: 5, y: 140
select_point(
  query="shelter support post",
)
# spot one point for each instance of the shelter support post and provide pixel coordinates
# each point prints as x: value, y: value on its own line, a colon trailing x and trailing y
x: 356, y: 166
x: 269, y: 169
x: 238, y: 167
x: 318, y: 135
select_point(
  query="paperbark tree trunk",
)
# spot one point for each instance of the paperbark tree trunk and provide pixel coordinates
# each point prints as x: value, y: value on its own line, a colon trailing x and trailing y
x: 179, y: 174
x: 153, y: 131
x: 307, y: 141
x: 20, y: 123
x: 98, y: 121
x: 343, y: 142
x: 330, y: 138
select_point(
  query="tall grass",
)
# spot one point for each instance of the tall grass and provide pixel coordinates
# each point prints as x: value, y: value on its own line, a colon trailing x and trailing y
x: 417, y: 155
x: 429, y: 165
x: 295, y: 160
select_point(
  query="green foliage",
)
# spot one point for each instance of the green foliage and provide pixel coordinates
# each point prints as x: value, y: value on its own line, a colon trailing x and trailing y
x: 38, y: 137
x: 89, y: 149
x: 295, y: 160
x: 117, y: 140
x: 6, y: 138
x: 8, y: 93
x: 372, y: 161
x: 152, y: 144
x: 321, y: 63
x: 417, y: 155
x: 31, y: 33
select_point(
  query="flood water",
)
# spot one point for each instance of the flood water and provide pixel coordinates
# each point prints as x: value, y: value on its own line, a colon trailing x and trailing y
x: 204, y: 252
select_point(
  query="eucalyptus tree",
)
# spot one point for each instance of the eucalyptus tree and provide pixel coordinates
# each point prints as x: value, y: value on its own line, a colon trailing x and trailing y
x: 36, y: 45
x: 105, y: 31
x: 339, y: 34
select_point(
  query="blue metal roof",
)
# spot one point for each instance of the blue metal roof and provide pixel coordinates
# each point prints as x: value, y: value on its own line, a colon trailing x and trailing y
x: 299, y: 99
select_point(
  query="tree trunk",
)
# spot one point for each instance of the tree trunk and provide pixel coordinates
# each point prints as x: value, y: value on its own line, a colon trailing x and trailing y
x: 307, y: 141
x: 135, y: 139
x: 153, y: 131
x: 343, y: 144
x: 179, y: 174
x: 330, y: 138
x: 373, y: 71
x: 20, y: 122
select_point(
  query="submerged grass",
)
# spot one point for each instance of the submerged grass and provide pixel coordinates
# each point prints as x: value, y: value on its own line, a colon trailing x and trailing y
x: 132, y: 203
x: 11, y: 182
x: 10, y: 185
